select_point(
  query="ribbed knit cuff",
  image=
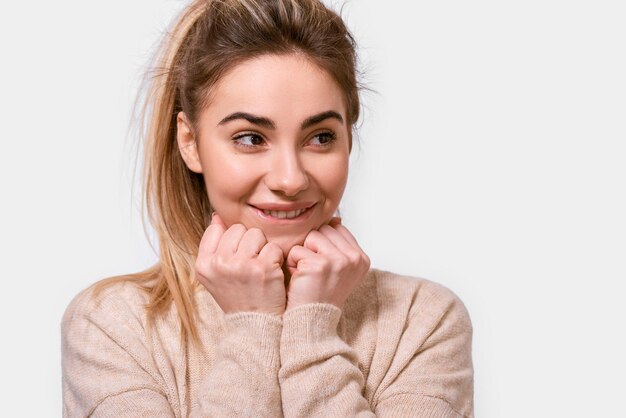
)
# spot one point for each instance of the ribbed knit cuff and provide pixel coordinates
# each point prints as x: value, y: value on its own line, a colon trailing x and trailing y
x: 308, y: 325
x: 405, y: 405
x: 253, y: 335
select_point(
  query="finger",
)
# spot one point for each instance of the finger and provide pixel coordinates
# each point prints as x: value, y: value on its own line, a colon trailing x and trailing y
x: 217, y: 219
x: 271, y: 253
x: 347, y: 235
x: 297, y: 253
x: 319, y: 243
x: 252, y: 242
x: 337, y: 239
x: 231, y: 238
x: 211, y: 237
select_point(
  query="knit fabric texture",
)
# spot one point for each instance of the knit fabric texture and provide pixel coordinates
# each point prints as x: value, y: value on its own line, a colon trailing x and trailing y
x: 400, y: 347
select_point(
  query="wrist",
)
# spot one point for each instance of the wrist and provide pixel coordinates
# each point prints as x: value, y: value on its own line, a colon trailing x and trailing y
x: 252, y: 336
x: 309, y: 323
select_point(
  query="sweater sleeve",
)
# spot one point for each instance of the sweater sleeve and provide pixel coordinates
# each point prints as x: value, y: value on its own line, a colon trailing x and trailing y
x: 109, y: 369
x: 430, y: 374
x: 244, y: 380
x: 106, y: 365
x: 319, y: 376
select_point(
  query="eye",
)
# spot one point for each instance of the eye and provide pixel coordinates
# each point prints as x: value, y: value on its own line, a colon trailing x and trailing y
x: 248, y: 140
x: 324, y: 139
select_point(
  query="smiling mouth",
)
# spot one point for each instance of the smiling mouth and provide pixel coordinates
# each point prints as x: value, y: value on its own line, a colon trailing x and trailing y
x: 283, y: 215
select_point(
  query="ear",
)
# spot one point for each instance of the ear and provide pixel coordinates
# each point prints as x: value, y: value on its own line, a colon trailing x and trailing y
x: 187, y: 144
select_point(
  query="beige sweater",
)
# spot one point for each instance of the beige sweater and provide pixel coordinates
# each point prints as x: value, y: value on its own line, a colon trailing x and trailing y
x: 401, y: 347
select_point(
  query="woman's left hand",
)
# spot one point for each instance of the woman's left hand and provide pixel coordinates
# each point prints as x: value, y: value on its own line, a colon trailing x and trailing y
x: 327, y: 268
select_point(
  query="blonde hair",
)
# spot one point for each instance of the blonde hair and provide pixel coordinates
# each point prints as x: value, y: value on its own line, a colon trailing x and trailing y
x: 209, y: 38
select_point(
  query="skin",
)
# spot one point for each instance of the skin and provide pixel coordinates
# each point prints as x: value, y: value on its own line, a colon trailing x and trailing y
x: 247, y: 261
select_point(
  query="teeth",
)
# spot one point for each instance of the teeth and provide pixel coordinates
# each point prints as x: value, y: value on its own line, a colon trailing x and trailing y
x: 282, y: 215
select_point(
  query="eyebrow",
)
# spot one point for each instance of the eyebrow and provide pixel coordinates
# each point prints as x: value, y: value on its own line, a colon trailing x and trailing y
x: 269, y: 124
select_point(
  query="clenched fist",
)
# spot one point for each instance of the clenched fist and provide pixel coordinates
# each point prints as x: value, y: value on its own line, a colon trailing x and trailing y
x: 326, y: 268
x: 241, y: 269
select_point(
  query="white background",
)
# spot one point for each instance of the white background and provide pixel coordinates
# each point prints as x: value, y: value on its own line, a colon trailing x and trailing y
x: 491, y: 159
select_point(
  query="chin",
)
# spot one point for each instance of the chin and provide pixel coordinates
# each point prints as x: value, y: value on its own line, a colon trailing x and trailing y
x: 286, y: 242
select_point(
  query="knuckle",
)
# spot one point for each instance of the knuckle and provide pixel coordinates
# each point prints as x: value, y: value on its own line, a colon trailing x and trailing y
x: 272, y: 246
x: 274, y: 249
x: 218, y: 262
x: 324, y: 228
x: 256, y: 231
x: 311, y: 237
x: 317, y: 268
x: 213, y: 226
x: 339, y: 260
x: 323, y: 265
x: 354, y: 258
x: 238, y: 263
x: 238, y: 227
x: 256, y: 270
x: 200, y: 265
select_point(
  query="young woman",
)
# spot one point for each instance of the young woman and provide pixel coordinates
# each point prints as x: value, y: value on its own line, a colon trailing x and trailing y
x: 262, y: 302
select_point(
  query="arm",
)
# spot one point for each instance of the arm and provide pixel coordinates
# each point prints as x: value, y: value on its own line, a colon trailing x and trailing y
x: 431, y: 373
x: 319, y: 376
x: 242, y: 271
x: 244, y: 380
x: 109, y: 371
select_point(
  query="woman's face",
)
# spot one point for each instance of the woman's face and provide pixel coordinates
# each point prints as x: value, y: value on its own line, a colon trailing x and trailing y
x: 273, y: 147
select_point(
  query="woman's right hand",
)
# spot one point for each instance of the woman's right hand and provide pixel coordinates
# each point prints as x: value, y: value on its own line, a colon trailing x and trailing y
x: 241, y: 269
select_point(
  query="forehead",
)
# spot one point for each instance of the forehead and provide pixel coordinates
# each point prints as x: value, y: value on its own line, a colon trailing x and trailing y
x: 286, y: 88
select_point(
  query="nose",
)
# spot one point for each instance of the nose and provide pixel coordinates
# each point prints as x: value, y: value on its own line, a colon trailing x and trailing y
x: 286, y: 173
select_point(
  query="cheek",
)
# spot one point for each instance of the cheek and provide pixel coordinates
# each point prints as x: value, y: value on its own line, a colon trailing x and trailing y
x: 332, y: 178
x: 228, y: 180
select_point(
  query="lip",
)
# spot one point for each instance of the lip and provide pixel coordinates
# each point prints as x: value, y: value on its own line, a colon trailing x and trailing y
x: 284, y: 207
x: 269, y: 218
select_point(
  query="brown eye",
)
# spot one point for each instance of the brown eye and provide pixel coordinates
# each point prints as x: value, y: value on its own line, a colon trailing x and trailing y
x: 248, y: 140
x: 324, y: 139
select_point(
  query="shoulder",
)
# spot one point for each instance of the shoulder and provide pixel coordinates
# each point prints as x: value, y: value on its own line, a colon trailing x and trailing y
x: 409, y: 306
x: 428, y: 328
x: 418, y: 286
x: 105, y: 347
x: 116, y: 305
x: 425, y: 313
x: 419, y: 295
